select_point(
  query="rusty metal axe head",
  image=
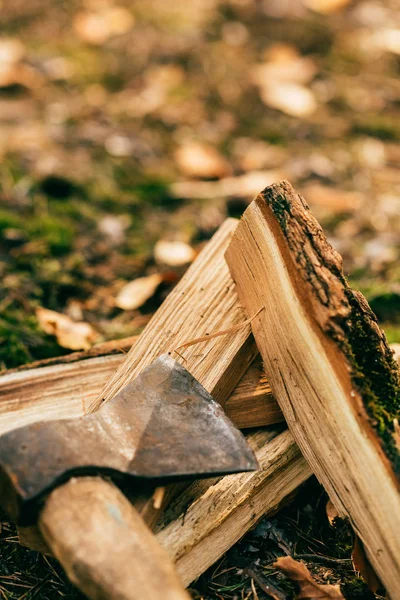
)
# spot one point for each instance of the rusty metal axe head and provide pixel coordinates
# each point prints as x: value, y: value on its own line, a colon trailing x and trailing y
x: 162, y: 426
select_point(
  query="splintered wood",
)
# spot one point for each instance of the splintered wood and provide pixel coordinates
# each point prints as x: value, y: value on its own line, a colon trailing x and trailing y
x: 328, y: 363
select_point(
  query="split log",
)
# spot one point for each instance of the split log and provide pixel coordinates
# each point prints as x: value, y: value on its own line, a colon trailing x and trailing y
x: 65, y: 389
x: 329, y: 366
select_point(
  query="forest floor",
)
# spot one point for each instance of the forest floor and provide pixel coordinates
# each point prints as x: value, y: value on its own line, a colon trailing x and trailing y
x: 126, y: 124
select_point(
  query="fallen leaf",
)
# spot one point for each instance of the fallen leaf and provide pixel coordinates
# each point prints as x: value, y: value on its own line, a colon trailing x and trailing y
x: 309, y: 589
x: 12, y: 51
x: 135, y: 293
x: 363, y: 566
x: 284, y: 63
x: 331, y: 512
x: 70, y: 334
x: 326, y: 7
x: 201, y: 160
x: 388, y: 40
x: 291, y: 98
x: 173, y: 254
x: 96, y: 27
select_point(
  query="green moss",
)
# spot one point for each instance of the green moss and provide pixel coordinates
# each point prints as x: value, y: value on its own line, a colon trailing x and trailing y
x: 375, y: 374
x: 9, y: 220
x: 57, y: 234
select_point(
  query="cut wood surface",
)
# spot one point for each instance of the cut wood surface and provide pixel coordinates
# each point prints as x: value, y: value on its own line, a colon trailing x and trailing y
x: 64, y: 390
x: 329, y: 366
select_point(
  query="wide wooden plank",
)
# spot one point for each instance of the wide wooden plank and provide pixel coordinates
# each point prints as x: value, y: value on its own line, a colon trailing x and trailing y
x: 329, y: 366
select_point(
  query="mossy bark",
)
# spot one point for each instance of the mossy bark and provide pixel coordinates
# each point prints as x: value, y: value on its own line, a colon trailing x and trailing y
x: 343, y: 314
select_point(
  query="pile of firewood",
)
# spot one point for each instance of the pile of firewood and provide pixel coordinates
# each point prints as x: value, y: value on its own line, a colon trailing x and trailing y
x: 325, y: 368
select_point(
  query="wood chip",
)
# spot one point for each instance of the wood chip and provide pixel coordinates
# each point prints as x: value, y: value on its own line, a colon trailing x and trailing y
x: 135, y: 293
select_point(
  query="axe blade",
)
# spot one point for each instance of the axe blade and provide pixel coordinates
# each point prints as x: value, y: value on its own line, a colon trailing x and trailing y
x: 163, y: 426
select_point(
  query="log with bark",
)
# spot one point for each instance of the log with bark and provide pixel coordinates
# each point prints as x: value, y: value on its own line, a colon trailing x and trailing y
x: 329, y: 366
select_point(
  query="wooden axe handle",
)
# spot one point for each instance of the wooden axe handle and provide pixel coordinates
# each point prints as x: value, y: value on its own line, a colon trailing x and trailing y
x: 105, y: 547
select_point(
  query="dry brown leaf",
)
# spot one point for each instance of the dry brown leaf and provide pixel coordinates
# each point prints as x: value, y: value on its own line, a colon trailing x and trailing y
x: 70, y: 334
x: 326, y: 7
x: 135, y: 293
x: 308, y: 588
x: 331, y: 512
x: 96, y: 27
x: 201, y: 160
x: 284, y: 63
x: 363, y: 566
x: 173, y: 254
x: 11, y: 53
x: 291, y: 98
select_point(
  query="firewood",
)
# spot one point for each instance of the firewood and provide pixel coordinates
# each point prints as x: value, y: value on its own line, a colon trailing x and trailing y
x: 65, y: 389
x: 329, y: 365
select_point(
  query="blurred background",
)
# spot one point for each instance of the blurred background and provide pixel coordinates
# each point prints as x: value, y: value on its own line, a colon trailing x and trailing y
x: 130, y: 130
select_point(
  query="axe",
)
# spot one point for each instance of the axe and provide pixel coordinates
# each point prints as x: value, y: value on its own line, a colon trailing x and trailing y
x: 161, y: 427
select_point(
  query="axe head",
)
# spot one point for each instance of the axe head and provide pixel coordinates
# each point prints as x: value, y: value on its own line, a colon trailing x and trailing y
x: 161, y: 427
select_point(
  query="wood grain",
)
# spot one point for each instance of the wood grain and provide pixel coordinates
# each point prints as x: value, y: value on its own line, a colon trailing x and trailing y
x: 104, y: 545
x: 64, y: 390
x: 316, y: 336
x: 208, y: 519
x: 204, y: 301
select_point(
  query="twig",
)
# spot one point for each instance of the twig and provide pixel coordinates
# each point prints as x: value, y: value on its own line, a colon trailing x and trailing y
x: 205, y: 338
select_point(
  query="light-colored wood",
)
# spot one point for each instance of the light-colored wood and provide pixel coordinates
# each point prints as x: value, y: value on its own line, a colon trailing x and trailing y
x: 209, y: 516
x: 204, y: 301
x: 208, y: 519
x: 315, y: 335
x: 64, y: 390
x: 104, y: 545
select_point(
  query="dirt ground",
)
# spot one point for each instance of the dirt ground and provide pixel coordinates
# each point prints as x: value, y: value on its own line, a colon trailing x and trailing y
x: 126, y: 124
